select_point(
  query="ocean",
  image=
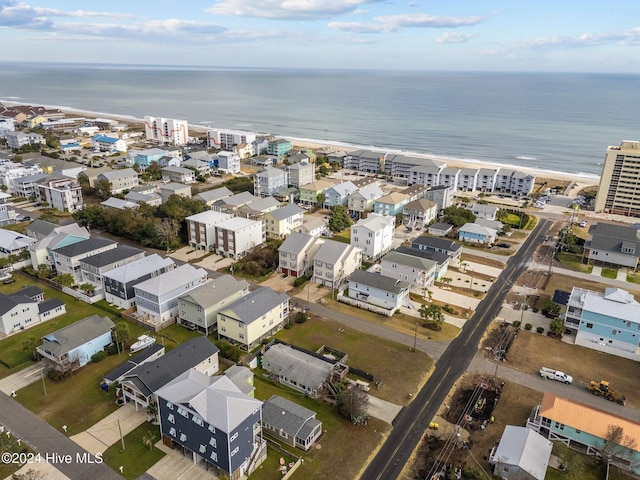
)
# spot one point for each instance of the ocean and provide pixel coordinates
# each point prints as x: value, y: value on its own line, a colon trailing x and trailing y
x: 556, y: 122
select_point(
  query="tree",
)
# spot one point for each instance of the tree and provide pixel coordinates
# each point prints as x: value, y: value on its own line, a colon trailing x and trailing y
x: 152, y: 411
x: 43, y: 270
x: 320, y: 200
x: 617, y: 444
x: 64, y: 280
x: 29, y: 344
x: 446, y: 280
x: 458, y: 216
x: 339, y: 219
x: 352, y: 403
x: 87, y: 288
x: 148, y: 439
x: 121, y: 333
x: 153, y: 171
x: 427, y: 292
x: 557, y: 326
x: 102, y: 189
x: 433, y: 316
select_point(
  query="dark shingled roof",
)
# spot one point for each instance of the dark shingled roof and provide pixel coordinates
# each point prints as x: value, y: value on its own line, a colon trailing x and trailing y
x: 9, y: 302
x: 84, y: 246
x: 133, y: 362
x: 111, y: 256
x: 49, y: 305
x: 561, y: 297
x: 30, y: 292
x: 439, y: 257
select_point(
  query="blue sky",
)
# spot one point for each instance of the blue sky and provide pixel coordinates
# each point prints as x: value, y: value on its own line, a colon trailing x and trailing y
x: 492, y: 35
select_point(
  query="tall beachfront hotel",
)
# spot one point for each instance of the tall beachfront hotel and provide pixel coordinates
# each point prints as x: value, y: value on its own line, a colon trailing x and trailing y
x: 619, y: 189
x: 166, y: 130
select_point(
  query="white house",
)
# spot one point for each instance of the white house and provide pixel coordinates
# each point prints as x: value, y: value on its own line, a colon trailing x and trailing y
x: 373, y: 235
x: 236, y: 236
x: 13, y: 243
x: 66, y: 259
x: 105, y: 143
x: 369, y: 289
x: 201, y: 228
x: 178, y: 175
x: 229, y: 162
x: 63, y: 194
x: 296, y: 254
x: 486, y: 212
x: 334, y: 262
x: 417, y: 270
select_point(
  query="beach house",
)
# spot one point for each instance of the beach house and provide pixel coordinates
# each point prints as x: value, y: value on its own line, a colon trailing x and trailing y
x: 373, y: 235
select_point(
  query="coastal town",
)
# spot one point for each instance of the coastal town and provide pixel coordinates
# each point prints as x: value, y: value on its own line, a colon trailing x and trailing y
x: 190, y: 302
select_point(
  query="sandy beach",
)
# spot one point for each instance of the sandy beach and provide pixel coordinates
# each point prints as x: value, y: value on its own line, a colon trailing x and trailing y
x: 580, y: 181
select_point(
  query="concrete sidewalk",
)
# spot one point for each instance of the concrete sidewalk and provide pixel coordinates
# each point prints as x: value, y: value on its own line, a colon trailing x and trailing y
x: 105, y: 433
x: 21, y: 379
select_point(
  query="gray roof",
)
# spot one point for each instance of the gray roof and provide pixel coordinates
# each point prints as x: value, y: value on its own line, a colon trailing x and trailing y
x: 435, y: 242
x: 289, y: 417
x: 121, y: 252
x: 610, y: 237
x: 31, y: 291
x: 118, y: 203
x: 286, y: 212
x: 37, y: 178
x: 438, y: 257
x: 173, y: 187
x: 421, y: 204
x: 252, y: 307
x: 48, y: 305
x: 216, y: 399
x: 214, y: 195
x: 9, y: 302
x: 215, y: 291
x: 331, y: 251
x: 297, y: 366
x: 240, y: 376
x: 133, y: 362
x: 40, y: 228
x: 141, y: 197
x: 238, y: 199
x: 263, y: 204
x: 117, y: 174
x: 424, y: 264
x: 445, y: 227
x: 365, y: 154
x: 525, y: 448
x: 66, y: 339
x: 84, y: 246
x: 168, y: 281
x: 296, y: 242
x: 180, y: 170
x: 151, y: 376
x: 139, y: 268
x: 381, y: 282
x: 271, y: 172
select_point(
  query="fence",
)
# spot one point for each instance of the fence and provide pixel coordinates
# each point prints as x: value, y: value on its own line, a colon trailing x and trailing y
x: 364, y: 305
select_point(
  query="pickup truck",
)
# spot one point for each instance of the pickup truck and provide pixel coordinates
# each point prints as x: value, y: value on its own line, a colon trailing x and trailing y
x: 555, y: 375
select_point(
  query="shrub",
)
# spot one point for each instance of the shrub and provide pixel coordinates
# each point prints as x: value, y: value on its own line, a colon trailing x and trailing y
x: 98, y: 357
x: 535, y: 309
x: 301, y: 317
x: 528, y: 326
x: 540, y: 329
x: 300, y: 281
x: 229, y: 351
x: 287, y: 326
x: 113, y: 349
x: 517, y: 324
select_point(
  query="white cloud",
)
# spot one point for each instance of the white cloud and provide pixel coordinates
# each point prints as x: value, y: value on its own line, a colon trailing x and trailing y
x: 287, y: 9
x: 455, y: 37
x: 422, y: 20
x: 629, y: 37
x: 359, y: 27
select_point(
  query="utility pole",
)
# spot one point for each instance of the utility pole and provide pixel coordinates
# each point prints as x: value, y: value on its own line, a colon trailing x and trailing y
x: 44, y: 387
x: 415, y: 338
x: 121, y: 437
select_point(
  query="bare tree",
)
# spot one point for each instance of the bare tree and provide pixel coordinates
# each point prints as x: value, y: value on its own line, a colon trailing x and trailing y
x: 617, y: 444
x: 352, y: 403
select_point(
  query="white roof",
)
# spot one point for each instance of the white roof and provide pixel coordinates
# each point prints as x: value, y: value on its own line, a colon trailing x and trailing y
x: 615, y: 302
x: 479, y: 229
x: 13, y: 240
x: 118, y: 203
x: 525, y: 448
x: 375, y: 222
x: 209, y: 217
x: 237, y: 223
x: 138, y: 268
x: 170, y: 280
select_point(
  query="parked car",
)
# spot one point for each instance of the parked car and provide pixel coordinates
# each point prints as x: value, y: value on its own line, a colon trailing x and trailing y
x: 503, y: 245
x: 583, y: 223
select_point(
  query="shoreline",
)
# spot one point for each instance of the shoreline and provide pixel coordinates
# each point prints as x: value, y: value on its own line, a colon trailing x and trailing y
x: 580, y: 179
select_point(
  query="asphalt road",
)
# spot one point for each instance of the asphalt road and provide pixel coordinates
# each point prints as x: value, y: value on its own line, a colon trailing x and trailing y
x: 413, y: 420
x: 53, y: 447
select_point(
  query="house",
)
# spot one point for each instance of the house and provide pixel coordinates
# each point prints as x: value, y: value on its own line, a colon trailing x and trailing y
x: 373, y: 235
x: 20, y: 139
x: 337, y: 157
x: 434, y: 244
x: 150, y: 199
x: 281, y: 222
x: 11, y: 171
x: 269, y: 180
x: 391, y: 204
x: 260, y: 145
x: 73, y: 346
x: 586, y: 429
x: 7, y: 213
x: 201, y: 166
x: 362, y: 200
x: 94, y: 267
x: 201, y: 229
x: 214, y: 422
x: 53, y: 166
x: 66, y: 259
x: 14, y: 243
x: 419, y: 213
x: 235, y: 237
x: 258, y: 208
x: 296, y: 369
x: 233, y: 203
x: 301, y: 173
x: 522, y: 454
x: 296, y: 254
x: 439, y: 229
x: 486, y: 212
x: 493, y: 224
x: 198, y: 309
x: 441, y: 194
x: 608, y: 322
x: 611, y: 244
x: 29, y: 185
x: 290, y: 423
x: 334, y: 262
x: 314, y: 226
x: 120, y: 180
x: 253, y: 318
x: 338, y: 194
x: 415, y: 269
x: 367, y: 289
x: 51, y: 236
x: 105, y: 143
x: 144, y: 158
x: 228, y: 162
x: 474, y: 233
x: 119, y: 282
x: 119, y: 204
x: 63, y: 194
x: 211, y: 196
x: 179, y: 189
x: 359, y: 160
x: 149, y: 354
x: 309, y: 193
x: 26, y: 308
x: 242, y: 377
x: 279, y: 147
x: 141, y: 384
x: 157, y: 298
x: 178, y: 175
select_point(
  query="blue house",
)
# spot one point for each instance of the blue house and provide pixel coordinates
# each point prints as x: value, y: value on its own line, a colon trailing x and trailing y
x: 474, y: 233
x: 391, y: 204
x: 586, y: 429
x: 72, y: 347
x: 279, y: 147
x: 338, y: 194
x: 144, y: 158
x: 213, y: 421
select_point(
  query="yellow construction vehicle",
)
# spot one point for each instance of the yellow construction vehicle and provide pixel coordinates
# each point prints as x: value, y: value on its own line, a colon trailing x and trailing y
x: 602, y: 388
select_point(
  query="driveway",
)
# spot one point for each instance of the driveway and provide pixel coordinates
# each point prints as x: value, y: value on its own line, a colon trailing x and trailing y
x: 175, y: 466
x: 21, y: 379
x: 383, y: 410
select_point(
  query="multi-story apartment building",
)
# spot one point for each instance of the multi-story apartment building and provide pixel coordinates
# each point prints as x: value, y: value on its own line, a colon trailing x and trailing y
x: 64, y: 194
x: 373, y: 235
x: 29, y: 186
x: 237, y: 236
x: 166, y: 130
x: 120, y: 180
x: 229, y: 162
x: 20, y: 139
x: 617, y: 191
x: 279, y: 147
x: 427, y: 175
x: 301, y: 173
x: 399, y: 166
x: 227, y: 139
x: 441, y: 195
x: 269, y: 180
x: 363, y: 161
x: 201, y: 229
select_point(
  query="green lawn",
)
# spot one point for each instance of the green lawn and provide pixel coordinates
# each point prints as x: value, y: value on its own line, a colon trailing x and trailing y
x: 343, y: 236
x: 573, y: 261
x: 609, y: 273
x: 268, y: 470
x: 344, y: 448
x: 9, y: 443
x: 137, y: 458
x: 76, y: 401
x: 401, y: 370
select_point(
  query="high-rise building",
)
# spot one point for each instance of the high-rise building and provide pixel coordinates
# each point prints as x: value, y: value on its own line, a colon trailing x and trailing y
x: 619, y: 189
x: 166, y: 130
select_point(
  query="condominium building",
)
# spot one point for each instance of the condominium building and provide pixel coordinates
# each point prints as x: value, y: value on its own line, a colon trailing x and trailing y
x: 166, y: 130
x: 227, y: 139
x: 64, y: 194
x: 618, y: 191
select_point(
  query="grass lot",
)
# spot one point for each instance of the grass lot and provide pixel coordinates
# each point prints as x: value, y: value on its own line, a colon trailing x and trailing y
x: 136, y: 458
x: 565, y: 283
x: 77, y: 401
x: 633, y: 278
x: 399, y: 321
x: 490, y: 262
x: 268, y: 470
x: 401, y: 370
x: 573, y: 262
x: 11, y: 352
x: 609, y: 273
x: 343, y: 236
x: 8, y: 443
x: 344, y: 448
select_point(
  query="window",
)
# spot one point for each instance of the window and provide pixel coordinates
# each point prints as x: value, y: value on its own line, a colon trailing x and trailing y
x: 234, y: 451
x: 183, y: 437
x: 171, y: 418
x: 214, y: 456
x: 196, y: 419
x: 202, y: 448
x: 172, y: 431
x: 212, y: 429
x: 233, y: 437
x: 212, y: 442
x: 170, y: 405
x: 183, y: 412
x: 589, y: 325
